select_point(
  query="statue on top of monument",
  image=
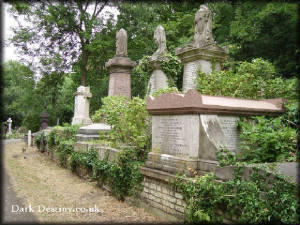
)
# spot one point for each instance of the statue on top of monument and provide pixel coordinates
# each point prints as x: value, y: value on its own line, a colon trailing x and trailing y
x: 203, y: 27
x: 121, y: 43
x: 160, y: 40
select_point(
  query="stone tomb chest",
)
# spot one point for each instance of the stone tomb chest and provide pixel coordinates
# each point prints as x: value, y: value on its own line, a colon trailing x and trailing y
x: 188, y: 129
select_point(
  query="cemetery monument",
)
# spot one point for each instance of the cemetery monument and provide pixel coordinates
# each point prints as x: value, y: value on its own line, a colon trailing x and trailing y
x: 158, y: 79
x: 203, y: 53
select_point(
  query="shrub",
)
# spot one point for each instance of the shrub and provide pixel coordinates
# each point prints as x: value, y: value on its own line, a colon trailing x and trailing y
x: 129, y: 120
x: 269, y: 140
x: 254, y: 80
x: 41, y: 141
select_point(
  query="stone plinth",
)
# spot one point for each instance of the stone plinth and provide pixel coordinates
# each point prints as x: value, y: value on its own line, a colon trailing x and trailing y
x: 188, y: 129
x: 158, y: 79
x: 205, y: 59
x: 119, y: 79
x: 81, y: 106
x: 92, y: 131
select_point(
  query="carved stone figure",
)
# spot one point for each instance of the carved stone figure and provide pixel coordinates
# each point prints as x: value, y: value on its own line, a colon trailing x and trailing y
x: 160, y: 40
x: 203, y: 27
x: 121, y: 43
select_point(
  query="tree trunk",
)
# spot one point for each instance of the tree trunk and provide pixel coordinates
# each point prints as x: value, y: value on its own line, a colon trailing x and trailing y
x: 83, y: 67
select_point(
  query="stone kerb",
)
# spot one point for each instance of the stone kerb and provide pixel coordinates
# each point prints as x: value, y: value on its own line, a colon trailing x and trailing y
x: 188, y: 129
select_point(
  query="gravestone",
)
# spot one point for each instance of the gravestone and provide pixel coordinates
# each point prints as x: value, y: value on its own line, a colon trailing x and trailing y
x: 203, y: 53
x: 81, y: 106
x: 120, y: 68
x: 158, y: 79
x: 44, y: 118
x: 9, y: 122
x: 29, y: 138
x: 188, y: 129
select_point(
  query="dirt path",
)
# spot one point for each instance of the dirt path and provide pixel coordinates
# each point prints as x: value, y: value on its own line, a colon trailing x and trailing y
x: 57, y: 195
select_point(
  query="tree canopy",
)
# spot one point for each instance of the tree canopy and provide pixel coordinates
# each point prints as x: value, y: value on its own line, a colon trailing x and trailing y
x: 74, y: 39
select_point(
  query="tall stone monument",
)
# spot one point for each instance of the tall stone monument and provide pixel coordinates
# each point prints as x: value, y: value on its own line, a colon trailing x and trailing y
x: 120, y: 68
x: 82, y: 106
x: 203, y: 53
x: 158, y: 79
x: 9, y: 122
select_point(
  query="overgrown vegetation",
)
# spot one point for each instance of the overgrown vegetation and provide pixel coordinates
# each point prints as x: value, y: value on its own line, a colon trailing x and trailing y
x: 120, y: 174
x: 170, y: 65
x: 129, y: 120
x: 258, y: 200
x: 252, y: 80
x: 263, y: 138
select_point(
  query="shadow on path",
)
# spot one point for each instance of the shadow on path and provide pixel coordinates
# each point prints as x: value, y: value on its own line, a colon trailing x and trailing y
x: 9, y: 198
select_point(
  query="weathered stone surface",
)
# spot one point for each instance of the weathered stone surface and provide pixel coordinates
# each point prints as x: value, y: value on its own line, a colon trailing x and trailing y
x: 121, y: 43
x: 188, y: 129
x: 192, y: 102
x: 161, y: 197
x: 160, y: 40
x: 119, y: 79
x: 176, y: 135
x: 203, y: 52
x: 92, y: 131
x: 158, y: 80
x: 289, y: 169
x: 81, y: 106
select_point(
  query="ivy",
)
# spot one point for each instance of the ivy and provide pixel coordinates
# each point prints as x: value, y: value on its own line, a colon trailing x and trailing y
x: 170, y: 64
x: 258, y: 200
x: 166, y: 90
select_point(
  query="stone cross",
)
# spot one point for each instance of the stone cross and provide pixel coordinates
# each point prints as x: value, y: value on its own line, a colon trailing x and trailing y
x: 160, y: 40
x: 9, y: 122
x: 203, y: 27
x: 121, y: 43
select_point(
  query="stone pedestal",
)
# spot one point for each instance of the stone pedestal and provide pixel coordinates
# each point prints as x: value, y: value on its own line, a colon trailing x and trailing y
x: 81, y: 106
x: 188, y: 129
x: 158, y: 79
x: 9, y: 122
x: 205, y: 59
x: 44, y: 118
x: 92, y: 132
x: 119, y: 79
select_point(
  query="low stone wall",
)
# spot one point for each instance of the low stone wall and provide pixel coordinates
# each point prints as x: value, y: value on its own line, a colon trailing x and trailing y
x: 159, y: 195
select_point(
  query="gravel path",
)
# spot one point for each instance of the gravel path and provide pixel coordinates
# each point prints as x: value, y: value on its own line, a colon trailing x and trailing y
x: 57, y: 195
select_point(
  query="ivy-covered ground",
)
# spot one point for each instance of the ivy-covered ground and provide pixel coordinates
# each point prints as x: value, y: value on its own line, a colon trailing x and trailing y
x: 39, y: 181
